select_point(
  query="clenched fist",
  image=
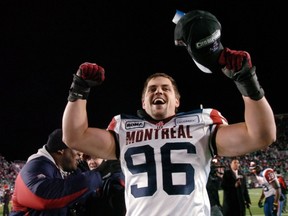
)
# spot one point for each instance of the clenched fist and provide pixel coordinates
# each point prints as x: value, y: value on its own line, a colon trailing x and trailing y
x: 92, y: 73
x: 238, y: 67
x: 234, y: 59
x: 88, y: 75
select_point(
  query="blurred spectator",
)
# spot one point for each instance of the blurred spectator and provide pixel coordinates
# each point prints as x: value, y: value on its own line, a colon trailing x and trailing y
x: 284, y: 190
x: 6, y: 202
x: 213, y: 186
x: 93, y: 162
x: 235, y: 193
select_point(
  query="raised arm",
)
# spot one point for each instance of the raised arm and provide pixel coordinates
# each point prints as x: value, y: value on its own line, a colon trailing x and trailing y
x: 200, y: 33
x: 259, y: 129
x: 76, y: 132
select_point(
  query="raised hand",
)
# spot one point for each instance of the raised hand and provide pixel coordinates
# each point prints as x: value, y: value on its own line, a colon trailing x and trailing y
x: 88, y: 75
x: 237, y: 65
x: 92, y: 73
x: 234, y: 59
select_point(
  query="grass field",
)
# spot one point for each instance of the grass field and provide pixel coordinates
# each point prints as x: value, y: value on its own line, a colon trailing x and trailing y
x: 254, y: 196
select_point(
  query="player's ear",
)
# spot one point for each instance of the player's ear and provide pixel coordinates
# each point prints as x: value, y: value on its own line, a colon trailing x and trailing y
x: 143, y: 104
x: 177, y: 103
x: 60, y: 152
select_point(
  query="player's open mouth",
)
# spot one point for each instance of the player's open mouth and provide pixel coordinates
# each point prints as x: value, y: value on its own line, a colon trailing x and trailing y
x: 158, y: 101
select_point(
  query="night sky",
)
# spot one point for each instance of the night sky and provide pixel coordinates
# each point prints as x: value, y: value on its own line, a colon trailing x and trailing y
x: 44, y: 42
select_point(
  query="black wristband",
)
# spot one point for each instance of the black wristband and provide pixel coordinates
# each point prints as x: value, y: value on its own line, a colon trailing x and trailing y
x: 79, y: 89
x: 248, y: 85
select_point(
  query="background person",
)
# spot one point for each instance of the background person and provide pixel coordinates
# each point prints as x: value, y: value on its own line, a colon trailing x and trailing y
x: 6, y: 202
x: 214, y: 185
x: 271, y: 190
x: 93, y: 162
x: 283, y: 197
x: 235, y: 193
x: 48, y: 184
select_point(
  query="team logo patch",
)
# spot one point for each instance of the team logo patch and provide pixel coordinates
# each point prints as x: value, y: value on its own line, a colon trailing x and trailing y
x: 134, y: 124
x: 185, y: 120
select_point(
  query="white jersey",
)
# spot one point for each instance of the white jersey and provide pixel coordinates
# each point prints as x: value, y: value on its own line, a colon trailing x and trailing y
x: 265, y: 178
x: 166, y: 164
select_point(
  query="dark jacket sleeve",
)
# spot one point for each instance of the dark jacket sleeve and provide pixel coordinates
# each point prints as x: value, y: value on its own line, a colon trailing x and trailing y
x: 39, y: 186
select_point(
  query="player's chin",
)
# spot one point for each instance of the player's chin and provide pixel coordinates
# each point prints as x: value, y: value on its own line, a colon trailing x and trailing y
x: 159, y: 112
x: 158, y: 108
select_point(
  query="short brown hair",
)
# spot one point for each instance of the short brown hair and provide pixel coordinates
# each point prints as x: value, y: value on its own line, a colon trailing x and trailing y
x: 174, y: 84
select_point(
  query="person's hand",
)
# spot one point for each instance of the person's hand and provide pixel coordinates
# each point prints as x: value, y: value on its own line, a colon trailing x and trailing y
x: 260, y: 204
x: 237, y: 65
x: 88, y: 75
x: 275, y: 209
x: 92, y: 73
x: 107, y: 168
x: 238, y: 183
x: 247, y: 204
x: 233, y: 59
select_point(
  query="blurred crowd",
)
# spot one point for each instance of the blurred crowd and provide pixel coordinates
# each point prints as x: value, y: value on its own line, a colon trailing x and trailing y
x: 270, y: 157
x: 8, y: 173
x: 275, y: 156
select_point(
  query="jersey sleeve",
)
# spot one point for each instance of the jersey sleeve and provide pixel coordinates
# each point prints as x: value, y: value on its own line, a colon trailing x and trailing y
x: 216, y: 117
